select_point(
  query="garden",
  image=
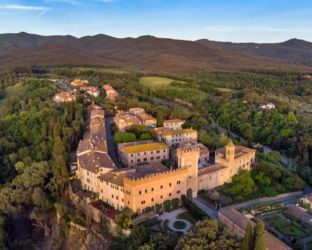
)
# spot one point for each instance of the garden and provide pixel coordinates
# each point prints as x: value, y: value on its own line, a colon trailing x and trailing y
x: 288, y: 228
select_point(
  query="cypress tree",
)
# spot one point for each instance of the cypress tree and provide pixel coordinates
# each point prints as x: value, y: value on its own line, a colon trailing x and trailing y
x: 259, y: 236
x: 248, y: 241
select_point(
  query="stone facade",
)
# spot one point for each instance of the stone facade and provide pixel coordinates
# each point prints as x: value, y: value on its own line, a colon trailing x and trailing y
x: 144, y: 152
x: 173, y: 124
x: 146, y: 181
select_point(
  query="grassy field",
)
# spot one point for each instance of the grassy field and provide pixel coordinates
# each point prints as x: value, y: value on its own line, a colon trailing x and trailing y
x: 286, y: 228
x: 156, y: 82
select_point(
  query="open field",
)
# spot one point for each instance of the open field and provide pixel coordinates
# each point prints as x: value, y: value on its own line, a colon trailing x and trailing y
x: 156, y: 82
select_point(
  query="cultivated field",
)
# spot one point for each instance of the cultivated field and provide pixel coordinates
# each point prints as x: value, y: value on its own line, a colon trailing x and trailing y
x: 156, y: 82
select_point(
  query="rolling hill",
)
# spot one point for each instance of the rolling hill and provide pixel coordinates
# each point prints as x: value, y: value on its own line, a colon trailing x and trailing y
x: 146, y: 53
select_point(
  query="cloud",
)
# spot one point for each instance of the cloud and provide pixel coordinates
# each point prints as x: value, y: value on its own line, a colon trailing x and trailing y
x: 18, y: 7
x: 71, y: 2
x: 23, y: 7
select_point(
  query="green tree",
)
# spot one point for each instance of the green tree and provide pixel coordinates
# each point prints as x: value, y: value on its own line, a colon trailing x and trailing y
x: 124, y: 218
x: 59, y: 167
x: 248, y: 241
x: 208, y: 234
x: 259, y: 236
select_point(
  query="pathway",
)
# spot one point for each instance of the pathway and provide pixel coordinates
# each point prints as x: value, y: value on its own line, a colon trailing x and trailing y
x: 110, y: 141
x: 212, y: 213
x: 287, y: 198
x: 172, y: 217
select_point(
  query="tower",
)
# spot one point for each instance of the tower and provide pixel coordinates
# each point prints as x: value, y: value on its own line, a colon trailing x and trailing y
x: 230, y: 151
x: 188, y: 158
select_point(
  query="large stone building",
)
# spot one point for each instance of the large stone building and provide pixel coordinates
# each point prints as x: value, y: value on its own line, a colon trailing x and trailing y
x: 176, y: 137
x: 143, y: 152
x: 135, y: 116
x: 173, y: 124
x: 111, y: 93
x: 145, y: 183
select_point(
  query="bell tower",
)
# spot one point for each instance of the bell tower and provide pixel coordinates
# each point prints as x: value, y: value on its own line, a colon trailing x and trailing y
x: 230, y: 151
x: 188, y: 158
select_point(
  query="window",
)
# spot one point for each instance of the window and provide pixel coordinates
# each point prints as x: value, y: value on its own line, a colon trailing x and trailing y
x: 161, y: 197
x: 142, y: 202
x: 178, y: 191
x: 145, y: 190
x: 152, y: 199
x: 169, y: 194
x: 152, y: 189
x: 161, y: 187
x: 169, y: 184
x: 152, y: 158
x: 140, y: 192
x: 145, y: 159
x: 158, y: 157
x: 178, y: 182
x: 157, y: 151
x: 116, y: 197
x: 112, y: 196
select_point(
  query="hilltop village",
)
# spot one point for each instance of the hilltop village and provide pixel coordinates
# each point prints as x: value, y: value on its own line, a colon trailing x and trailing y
x: 144, y: 181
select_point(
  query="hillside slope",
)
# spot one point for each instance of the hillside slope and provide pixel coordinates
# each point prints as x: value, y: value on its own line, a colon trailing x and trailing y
x: 145, y: 53
x: 292, y: 51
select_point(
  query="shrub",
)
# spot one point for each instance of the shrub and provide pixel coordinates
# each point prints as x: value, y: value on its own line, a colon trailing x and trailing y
x: 158, y: 208
x: 175, y: 203
x: 167, y: 205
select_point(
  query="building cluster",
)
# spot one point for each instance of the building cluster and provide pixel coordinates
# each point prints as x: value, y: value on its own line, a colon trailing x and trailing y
x: 146, y: 181
x: 135, y: 116
x: 91, y: 90
x: 79, y: 83
x: 268, y: 106
x: 111, y: 93
x: 66, y: 96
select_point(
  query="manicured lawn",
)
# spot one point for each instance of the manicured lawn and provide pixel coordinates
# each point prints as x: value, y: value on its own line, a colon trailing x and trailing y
x: 156, y: 82
x: 186, y: 216
x: 179, y: 224
x: 285, y: 227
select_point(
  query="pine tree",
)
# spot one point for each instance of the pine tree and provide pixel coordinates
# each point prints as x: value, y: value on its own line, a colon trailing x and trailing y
x: 248, y: 241
x: 259, y: 236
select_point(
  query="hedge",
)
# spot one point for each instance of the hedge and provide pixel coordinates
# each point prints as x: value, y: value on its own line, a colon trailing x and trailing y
x: 196, y: 212
x: 175, y: 203
x: 167, y: 205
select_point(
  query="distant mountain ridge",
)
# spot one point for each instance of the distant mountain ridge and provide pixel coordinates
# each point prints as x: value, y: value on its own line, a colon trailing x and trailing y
x: 148, y: 53
x: 294, y: 51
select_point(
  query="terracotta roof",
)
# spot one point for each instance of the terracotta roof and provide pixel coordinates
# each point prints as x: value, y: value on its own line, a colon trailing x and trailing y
x: 211, y: 168
x: 94, y: 161
x: 114, y: 177
x: 239, y: 151
x: 144, y: 147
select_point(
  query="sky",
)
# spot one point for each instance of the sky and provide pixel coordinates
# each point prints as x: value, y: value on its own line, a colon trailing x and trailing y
x: 220, y: 20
